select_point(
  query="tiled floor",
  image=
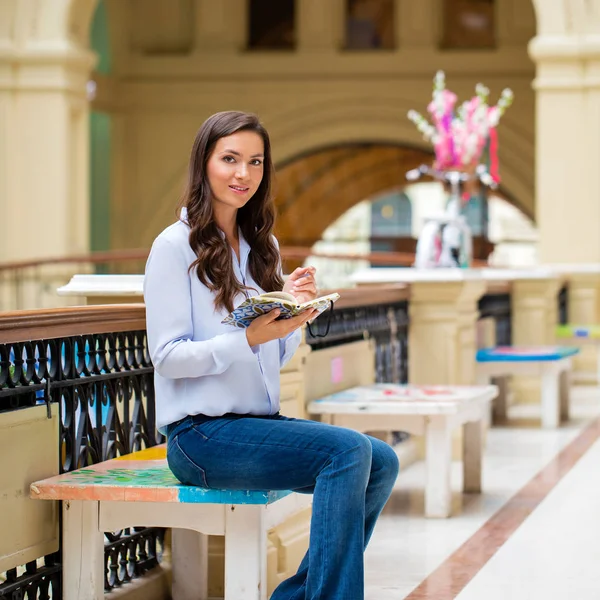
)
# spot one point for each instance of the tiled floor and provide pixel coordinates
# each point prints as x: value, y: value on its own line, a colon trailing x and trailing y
x: 547, y: 550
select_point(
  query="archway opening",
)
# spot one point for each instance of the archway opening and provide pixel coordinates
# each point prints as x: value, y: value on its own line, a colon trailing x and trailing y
x: 355, y: 199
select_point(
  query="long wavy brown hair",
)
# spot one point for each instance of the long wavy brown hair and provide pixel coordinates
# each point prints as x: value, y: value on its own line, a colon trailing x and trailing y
x: 214, y: 265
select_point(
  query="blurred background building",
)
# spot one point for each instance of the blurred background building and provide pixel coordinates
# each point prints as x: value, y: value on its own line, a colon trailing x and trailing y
x: 100, y: 101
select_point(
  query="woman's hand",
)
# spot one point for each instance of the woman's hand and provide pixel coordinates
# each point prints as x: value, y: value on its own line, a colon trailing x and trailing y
x: 301, y: 284
x: 265, y: 328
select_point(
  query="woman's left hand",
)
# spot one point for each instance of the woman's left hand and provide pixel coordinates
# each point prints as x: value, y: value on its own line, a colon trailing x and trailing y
x: 301, y: 284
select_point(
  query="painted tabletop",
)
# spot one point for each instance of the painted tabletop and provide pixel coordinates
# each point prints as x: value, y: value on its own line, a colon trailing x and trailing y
x: 139, y: 477
x: 525, y: 353
x: 387, y: 398
x: 579, y: 331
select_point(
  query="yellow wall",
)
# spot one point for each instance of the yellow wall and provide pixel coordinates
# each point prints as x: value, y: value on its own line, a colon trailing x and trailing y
x: 177, y: 62
x: 168, y: 79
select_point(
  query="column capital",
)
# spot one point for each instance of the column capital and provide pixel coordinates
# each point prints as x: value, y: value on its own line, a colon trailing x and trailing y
x: 566, y: 62
x: 442, y: 331
x: 46, y: 67
x: 443, y: 294
x: 535, y: 295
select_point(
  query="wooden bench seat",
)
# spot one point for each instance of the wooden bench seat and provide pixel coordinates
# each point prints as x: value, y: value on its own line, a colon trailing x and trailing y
x: 139, y: 490
x: 552, y: 364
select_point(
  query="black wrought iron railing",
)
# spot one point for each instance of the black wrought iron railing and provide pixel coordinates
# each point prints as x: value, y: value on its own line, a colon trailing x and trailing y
x: 103, y: 386
x: 563, y: 305
x: 93, y: 364
x: 498, y: 307
x: 386, y: 323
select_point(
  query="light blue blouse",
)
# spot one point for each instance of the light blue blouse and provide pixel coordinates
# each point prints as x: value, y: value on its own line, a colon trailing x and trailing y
x: 200, y: 365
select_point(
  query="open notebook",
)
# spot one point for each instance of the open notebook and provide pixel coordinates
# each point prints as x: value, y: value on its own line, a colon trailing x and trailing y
x: 255, y: 306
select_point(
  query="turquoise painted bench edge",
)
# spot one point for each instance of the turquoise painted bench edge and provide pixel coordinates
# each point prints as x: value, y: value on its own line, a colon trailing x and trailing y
x: 141, y: 477
x: 492, y: 355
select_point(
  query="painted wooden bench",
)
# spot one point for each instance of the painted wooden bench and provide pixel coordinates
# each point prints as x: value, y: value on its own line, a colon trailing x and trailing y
x: 581, y: 335
x: 139, y: 489
x: 432, y: 411
x: 551, y: 363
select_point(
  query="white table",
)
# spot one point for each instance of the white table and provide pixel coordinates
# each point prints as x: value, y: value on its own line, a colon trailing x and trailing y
x: 432, y: 411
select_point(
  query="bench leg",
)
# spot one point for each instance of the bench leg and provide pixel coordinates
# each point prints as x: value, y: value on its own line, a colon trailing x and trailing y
x: 550, y: 399
x: 472, y: 451
x: 500, y: 403
x: 438, y: 493
x: 189, y: 565
x: 245, y: 553
x: 83, y: 551
x: 565, y: 395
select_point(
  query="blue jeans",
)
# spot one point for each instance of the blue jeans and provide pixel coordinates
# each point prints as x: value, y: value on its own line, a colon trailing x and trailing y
x: 350, y: 475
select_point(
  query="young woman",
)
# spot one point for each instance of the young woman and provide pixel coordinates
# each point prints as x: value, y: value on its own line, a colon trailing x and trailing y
x: 217, y: 387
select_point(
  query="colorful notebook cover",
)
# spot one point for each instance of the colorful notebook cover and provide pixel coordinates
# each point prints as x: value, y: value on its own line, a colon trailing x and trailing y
x: 256, y: 306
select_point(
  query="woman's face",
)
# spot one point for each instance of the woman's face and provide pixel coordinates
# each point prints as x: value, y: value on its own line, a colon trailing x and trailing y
x: 235, y: 168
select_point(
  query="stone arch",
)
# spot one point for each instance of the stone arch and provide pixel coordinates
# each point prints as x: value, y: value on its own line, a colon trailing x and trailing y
x: 318, y: 186
x: 381, y: 118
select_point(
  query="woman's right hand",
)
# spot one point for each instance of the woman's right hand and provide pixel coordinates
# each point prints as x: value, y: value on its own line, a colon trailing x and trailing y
x: 265, y: 328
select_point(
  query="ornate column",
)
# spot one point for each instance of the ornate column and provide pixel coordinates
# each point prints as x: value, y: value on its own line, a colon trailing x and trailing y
x: 44, y: 150
x: 443, y: 313
x: 534, y: 319
x: 567, y: 83
x: 583, y: 304
x: 442, y: 331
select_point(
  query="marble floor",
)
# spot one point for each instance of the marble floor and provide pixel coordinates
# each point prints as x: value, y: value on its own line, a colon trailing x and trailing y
x: 533, y: 534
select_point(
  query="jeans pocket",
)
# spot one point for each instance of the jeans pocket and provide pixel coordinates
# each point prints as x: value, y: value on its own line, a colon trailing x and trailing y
x: 183, y: 467
x: 209, y: 428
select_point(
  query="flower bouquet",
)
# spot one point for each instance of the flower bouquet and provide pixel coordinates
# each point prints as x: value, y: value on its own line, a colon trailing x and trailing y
x: 464, y: 138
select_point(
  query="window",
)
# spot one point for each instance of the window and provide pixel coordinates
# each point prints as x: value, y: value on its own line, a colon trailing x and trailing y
x: 370, y: 24
x: 391, y: 215
x: 272, y: 25
x: 469, y: 24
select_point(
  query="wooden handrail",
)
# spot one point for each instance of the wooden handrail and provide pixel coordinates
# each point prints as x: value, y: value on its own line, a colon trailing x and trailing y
x: 92, y: 257
x: 287, y: 252
x: 24, y: 325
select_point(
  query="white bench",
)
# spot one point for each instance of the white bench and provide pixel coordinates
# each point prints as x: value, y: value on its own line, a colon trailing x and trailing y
x: 551, y: 363
x: 432, y: 411
x: 139, y: 489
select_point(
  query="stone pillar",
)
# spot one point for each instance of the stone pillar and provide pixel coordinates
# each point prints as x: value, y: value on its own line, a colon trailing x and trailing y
x: 584, y: 307
x: 534, y: 309
x: 442, y: 335
x: 220, y: 26
x: 44, y: 150
x: 567, y: 84
x: 583, y: 302
x: 320, y: 25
